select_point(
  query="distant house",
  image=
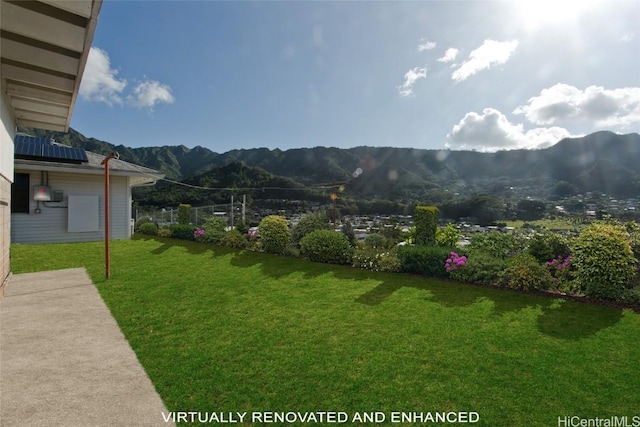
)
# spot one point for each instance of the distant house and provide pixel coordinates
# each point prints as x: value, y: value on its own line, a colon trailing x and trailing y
x: 58, y: 193
x: 45, y: 46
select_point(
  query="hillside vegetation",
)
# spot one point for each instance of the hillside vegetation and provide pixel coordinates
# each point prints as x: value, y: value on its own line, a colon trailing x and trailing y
x: 602, y: 162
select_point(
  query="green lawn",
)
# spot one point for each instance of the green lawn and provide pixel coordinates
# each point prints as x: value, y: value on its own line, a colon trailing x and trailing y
x: 224, y: 330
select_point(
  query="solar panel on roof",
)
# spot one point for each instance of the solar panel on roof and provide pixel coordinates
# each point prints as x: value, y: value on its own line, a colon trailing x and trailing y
x: 37, y: 148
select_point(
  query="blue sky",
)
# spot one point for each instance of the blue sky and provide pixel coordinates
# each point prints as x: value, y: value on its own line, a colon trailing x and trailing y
x: 288, y: 74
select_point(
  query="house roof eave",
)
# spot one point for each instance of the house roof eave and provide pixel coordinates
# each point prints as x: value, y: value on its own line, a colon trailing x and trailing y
x: 36, y: 165
x: 45, y: 47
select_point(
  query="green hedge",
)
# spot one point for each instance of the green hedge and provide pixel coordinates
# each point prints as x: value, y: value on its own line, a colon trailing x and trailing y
x: 182, y: 231
x: 234, y: 239
x: 481, y: 268
x: 184, y: 214
x: 547, y: 246
x: 604, y: 261
x: 213, y: 230
x: 308, y: 223
x: 148, y: 228
x: 426, y: 220
x: 375, y: 240
x: 274, y: 234
x: 327, y: 246
x: 422, y: 259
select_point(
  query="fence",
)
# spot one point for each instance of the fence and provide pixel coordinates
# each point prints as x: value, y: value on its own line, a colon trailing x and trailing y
x: 199, y: 214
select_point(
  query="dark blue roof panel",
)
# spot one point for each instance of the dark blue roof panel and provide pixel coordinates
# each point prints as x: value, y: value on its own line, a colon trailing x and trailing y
x: 37, y: 148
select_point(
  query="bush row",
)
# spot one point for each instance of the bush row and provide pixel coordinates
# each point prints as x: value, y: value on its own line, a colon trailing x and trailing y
x: 601, y: 262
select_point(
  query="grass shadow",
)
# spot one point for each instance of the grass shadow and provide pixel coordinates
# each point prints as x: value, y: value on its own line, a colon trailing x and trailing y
x: 195, y: 248
x: 448, y: 293
x: 440, y: 291
x: 455, y: 294
x: 379, y: 294
x: 277, y: 266
x: 563, y: 319
x: 571, y: 320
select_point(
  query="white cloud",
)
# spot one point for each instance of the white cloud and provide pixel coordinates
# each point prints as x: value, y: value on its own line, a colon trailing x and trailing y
x: 99, y: 81
x: 449, y: 55
x: 491, y: 52
x: 492, y: 131
x: 426, y: 45
x: 149, y: 93
x: 603, y: 107
x: 101, y: 84
x: 410, y: 78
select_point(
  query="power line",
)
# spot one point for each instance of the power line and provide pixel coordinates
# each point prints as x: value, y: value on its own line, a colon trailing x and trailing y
x: 199, y: 187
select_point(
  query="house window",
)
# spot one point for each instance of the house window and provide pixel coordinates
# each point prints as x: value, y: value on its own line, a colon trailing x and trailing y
x: 20, y: 193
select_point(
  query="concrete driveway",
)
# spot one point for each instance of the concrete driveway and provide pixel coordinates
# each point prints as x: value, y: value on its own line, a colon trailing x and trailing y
x: 64, y: 360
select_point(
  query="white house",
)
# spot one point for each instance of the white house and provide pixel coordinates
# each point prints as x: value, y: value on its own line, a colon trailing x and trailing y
x: 44, y: 47
x: 58, y: 193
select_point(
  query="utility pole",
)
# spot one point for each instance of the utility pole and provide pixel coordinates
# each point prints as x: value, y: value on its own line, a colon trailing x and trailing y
x: 336, y: 187
x: 232, y: 211
x: 244, y: 209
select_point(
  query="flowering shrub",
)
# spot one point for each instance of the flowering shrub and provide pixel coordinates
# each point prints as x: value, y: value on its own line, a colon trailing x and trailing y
x: 253, y: 243
x: 561, y: 273
x: 558, y: 263
x: 524, y: 272
x: 198, y: 234
x: 234, y: 239
x: 376, y: 259
x: 546, y: 245
x: 375, y: 240
x: 454, y: 262
x: 480, y: 268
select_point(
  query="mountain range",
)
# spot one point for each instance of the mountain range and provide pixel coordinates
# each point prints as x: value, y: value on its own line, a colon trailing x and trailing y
x: 602, y: 162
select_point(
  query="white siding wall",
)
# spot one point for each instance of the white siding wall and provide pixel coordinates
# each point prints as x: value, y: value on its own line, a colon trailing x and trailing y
x: 7, y: 133
x: 5, y: 231
x: 51, y: 224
